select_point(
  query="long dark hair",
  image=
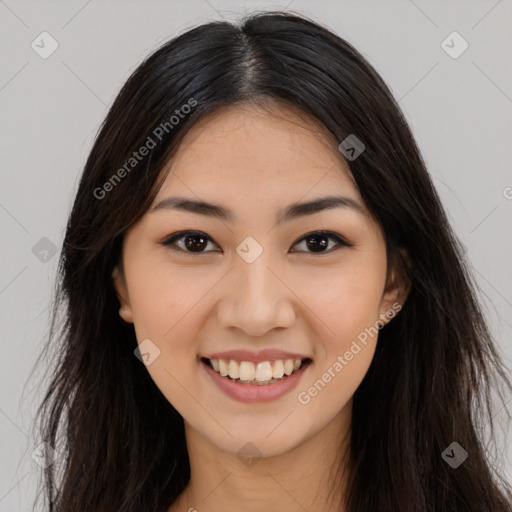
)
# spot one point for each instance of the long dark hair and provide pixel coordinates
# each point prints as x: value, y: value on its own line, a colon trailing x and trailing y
x: 120, y: 443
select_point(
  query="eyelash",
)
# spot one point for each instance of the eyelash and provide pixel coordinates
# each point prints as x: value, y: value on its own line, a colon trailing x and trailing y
x: 172, y: 239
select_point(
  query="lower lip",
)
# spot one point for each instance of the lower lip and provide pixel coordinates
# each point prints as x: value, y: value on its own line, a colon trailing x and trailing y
x: 253, y: 393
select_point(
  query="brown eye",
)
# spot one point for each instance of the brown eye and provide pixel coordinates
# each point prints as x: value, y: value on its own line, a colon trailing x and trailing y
x: 318, y: 242
x: 193, y: 242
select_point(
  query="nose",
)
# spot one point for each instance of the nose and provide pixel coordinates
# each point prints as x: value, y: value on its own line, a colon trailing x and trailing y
x: 256, y: 298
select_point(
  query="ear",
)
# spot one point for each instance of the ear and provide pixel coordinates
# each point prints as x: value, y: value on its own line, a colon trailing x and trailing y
x: 397, y: 289
x: 119, y: 282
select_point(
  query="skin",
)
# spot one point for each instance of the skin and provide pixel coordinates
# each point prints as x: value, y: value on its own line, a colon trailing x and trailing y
x: 256, y: 164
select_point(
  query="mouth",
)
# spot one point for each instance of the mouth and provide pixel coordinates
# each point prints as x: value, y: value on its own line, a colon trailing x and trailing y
x: 261, y: 373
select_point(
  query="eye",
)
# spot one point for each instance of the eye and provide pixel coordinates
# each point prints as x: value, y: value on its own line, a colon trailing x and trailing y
x: 195, y: 242
x: 318, y: 241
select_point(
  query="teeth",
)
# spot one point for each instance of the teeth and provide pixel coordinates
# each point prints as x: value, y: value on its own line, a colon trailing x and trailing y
x: 262, y: 372
x: 247, y: 371
x: 233, y: 369
x: 223, y: 367
x: 278, y: 369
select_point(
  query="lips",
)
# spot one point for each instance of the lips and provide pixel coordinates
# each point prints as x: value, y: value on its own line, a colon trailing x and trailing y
x: 253, y: 392
x: 255, y: 376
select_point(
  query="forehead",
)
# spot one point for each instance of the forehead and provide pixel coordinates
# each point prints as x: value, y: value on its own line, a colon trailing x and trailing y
x: 246, y: 146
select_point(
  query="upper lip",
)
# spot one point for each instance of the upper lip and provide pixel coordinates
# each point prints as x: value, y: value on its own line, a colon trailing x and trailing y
x: 256, y: 357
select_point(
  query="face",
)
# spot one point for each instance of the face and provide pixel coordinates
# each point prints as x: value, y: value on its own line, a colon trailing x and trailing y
x: 246, y: 285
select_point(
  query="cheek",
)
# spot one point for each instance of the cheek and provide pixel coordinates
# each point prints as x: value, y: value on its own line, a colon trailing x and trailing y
x: 163, y: 297
x: 165, y: 308
x: 349, y: 307
x: 347, y: 302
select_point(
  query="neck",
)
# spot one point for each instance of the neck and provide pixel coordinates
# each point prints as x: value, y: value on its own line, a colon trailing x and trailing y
x: 312, y: 476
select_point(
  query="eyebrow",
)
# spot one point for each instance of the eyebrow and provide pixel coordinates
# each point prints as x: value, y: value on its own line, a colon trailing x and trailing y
x: 293, y: 211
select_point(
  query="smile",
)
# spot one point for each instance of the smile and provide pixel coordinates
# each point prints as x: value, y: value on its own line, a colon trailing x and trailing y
x: 250, y: 381
x: 262, y: 373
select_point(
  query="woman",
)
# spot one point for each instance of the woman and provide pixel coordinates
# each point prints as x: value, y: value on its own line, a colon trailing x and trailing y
x: 265, y: 305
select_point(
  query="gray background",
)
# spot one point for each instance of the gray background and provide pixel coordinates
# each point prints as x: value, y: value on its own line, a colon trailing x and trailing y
x: 460, y: 110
